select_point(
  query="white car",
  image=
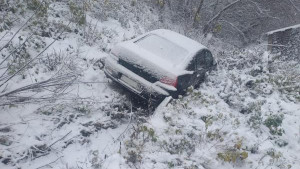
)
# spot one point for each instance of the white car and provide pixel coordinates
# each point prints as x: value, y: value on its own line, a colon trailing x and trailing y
x: 158, y: 64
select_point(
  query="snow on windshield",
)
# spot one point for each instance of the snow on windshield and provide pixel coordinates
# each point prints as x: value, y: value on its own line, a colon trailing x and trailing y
x: 163, y: 48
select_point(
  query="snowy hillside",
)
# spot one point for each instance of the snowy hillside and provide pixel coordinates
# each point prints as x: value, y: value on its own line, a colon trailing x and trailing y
x: 59, y: 110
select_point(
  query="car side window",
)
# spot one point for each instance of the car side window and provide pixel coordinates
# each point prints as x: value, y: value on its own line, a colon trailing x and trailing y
x: 192, y: 65
x: 202, y: 60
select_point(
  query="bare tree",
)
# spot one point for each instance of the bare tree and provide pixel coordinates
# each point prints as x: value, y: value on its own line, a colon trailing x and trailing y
x: 293, y: 4
x: 198, y: 12
x: 209, y: 25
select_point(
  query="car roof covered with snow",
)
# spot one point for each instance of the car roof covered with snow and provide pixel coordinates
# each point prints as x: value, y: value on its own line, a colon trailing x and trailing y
x: 183, y: 41
x: 161, y: 47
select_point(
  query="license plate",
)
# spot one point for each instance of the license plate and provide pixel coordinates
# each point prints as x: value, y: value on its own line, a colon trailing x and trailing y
x: 130, y: 83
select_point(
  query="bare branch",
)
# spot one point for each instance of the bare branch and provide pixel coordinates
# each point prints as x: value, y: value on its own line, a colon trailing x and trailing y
x: 211, y: 22
x: 49, y: 163
x: 60, y: 139
x: 24, y: 66
x: 297, y: 9
x: 198, y: 12
x: 22, y: 26
x: 15, y: 51
x: 236, y: 28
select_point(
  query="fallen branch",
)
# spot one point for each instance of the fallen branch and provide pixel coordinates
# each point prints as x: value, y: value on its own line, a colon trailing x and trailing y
x: 52, y: 82
x: 60, y: 139
x: 49, y: 163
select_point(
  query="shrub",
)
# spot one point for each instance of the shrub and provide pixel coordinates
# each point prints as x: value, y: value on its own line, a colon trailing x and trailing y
x: 78, y: 13
x: 274, y: 154
x: 20, y: 58
x: 255, y: 120
x: 133, y: 157
x: 208, y: 120
x: 273, y: 122
x: 233, y: 156
x: 40, y: 7
x: 281, y: 143
x: 84, y: 109
x: 53, y: 60
x: 179, y: 146
x: 215, y: 135
x: 161, y: 3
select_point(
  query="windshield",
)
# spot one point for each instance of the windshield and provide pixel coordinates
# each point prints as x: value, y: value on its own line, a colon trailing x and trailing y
x: 163, y: 48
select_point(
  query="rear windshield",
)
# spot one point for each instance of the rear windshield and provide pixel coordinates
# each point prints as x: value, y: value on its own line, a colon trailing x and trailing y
x: 163, y: 48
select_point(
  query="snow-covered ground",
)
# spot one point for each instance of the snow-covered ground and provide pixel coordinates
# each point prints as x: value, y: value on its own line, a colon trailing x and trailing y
x: 245, y: 115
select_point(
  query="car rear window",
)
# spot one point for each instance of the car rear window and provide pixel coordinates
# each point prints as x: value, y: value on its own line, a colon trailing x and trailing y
x: 163, y: 48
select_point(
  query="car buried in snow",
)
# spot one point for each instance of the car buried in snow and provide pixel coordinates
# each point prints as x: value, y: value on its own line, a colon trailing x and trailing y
x: 159, y: 63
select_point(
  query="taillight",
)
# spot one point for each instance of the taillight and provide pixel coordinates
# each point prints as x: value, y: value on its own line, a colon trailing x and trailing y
x: 169, y: 81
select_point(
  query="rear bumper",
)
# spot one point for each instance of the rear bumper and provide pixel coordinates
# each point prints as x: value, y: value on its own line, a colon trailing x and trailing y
x: 133, y: 82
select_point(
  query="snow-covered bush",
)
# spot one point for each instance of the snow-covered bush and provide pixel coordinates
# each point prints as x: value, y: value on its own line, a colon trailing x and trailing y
x: 78, y: 11
x: 273, y: 122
